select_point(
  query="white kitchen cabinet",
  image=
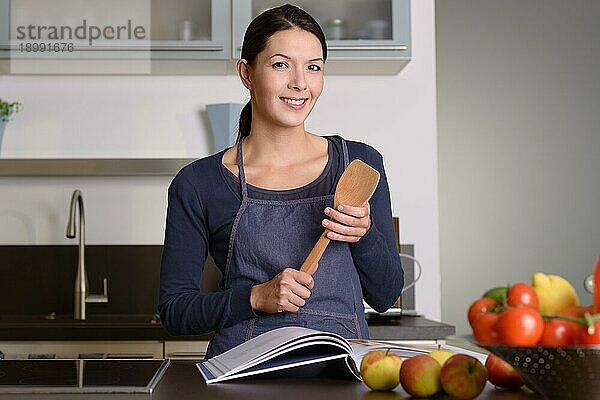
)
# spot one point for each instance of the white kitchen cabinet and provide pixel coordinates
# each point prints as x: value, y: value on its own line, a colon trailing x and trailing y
x: 362, y: 35
x: 205, y: 36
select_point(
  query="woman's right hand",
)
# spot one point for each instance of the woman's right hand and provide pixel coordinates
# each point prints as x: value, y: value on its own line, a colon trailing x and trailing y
x: 287, y: 291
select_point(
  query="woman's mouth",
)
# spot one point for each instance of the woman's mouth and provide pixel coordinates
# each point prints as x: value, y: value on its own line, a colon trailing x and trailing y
x: 294, y: 103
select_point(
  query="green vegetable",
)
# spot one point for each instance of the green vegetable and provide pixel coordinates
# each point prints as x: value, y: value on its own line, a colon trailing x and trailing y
x: 498, y: 294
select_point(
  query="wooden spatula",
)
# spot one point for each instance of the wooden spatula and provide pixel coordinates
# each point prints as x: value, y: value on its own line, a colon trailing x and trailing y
x: 355, y: 187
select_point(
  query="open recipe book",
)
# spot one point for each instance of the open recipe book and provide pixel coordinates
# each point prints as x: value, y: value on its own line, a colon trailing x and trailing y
x: 293, y: 346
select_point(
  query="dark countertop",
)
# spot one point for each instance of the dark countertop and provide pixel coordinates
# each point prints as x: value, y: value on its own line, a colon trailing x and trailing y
x: 182, y: 381
x: 147, y: 327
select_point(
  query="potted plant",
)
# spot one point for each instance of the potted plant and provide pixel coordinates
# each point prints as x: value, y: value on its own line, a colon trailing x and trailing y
x: 7, y: 111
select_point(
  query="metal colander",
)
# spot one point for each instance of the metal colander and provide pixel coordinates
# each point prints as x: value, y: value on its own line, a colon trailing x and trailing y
x: 557, y: 373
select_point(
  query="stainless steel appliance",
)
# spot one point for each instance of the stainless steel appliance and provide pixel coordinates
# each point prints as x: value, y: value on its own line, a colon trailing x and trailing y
x: 80, y: 376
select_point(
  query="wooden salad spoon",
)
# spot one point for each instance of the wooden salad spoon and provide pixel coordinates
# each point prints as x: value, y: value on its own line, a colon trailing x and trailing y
x: 355, y: 187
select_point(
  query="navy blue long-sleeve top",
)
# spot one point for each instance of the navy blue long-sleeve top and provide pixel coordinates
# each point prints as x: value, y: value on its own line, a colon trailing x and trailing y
x: 203, y: 199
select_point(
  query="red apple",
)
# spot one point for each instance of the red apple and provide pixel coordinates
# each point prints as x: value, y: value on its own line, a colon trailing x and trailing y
x: 463, y: 377
x: 380, y: 369
x: 420, y: 376
x: 502, y: 374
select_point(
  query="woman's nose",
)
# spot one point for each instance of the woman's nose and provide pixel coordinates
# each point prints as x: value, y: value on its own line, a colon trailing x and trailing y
x: 297, y: 80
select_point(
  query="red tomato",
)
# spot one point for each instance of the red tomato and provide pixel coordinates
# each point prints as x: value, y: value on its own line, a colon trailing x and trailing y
x: 557, y: 332
x: 520, y: 326
x: 479, y: 306
x: 585, y: 337
x: 578, y: 312
x: 596, y: 306
x: 484, y: 328
x: 521, y: 294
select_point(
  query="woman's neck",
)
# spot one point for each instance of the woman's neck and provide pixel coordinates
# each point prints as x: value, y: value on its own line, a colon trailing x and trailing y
x: 279, y: 146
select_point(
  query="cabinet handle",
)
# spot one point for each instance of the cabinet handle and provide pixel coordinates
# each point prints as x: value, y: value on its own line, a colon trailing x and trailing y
x: 178, y: 47
x: 368, y: 48
x: 130, y: 355
x: 134, y: 48
x: 188, y: 354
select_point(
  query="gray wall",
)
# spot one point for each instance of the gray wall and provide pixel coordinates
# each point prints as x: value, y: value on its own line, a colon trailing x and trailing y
x: 519, y: 144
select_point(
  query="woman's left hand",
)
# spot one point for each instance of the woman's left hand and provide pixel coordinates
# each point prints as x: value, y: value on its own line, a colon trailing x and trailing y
x: 347, y: 223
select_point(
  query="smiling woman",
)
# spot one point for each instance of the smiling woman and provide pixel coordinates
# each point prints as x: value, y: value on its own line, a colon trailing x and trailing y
x: 259, y: 206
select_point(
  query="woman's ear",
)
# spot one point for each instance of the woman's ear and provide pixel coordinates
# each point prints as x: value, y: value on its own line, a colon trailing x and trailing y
x: 243, y: 69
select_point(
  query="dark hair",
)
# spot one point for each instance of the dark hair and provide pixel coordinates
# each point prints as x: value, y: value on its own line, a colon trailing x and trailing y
x: 258, y: 33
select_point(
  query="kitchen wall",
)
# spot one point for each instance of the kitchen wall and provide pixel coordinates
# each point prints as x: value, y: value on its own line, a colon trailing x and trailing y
x: 519, y: 149
x: 163, y: 116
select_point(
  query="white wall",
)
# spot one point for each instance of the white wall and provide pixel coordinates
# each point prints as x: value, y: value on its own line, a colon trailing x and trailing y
x: 154, y: 116
x: 519, y: 148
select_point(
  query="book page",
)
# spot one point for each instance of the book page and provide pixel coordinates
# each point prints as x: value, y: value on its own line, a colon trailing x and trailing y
x: 266, y: 346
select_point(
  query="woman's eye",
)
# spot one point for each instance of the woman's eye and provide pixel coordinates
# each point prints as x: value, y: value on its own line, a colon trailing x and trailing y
x: 279, y: 64
x: 314, y: 67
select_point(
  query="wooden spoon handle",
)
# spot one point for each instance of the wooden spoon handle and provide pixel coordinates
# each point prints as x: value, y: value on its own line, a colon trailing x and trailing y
x: 310, y: 264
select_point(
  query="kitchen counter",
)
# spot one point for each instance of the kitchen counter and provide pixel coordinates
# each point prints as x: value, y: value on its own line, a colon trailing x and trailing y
x: 102, y: 327
x: 147, y: 327
x: 182, y: 381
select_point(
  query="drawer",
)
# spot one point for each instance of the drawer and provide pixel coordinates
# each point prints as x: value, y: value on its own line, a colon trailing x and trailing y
x: 73, y: 349
x: 186, y: 350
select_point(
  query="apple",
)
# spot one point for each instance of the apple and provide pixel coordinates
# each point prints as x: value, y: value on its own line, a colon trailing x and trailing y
x: 420, y: 376
x: 502, y: 374
x: 441, y: 356
x: 380, y: 369
x: 463, y: 377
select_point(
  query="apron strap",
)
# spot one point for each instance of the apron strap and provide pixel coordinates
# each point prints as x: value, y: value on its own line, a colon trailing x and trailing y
x: 240, y: 163
x: 345, y: 151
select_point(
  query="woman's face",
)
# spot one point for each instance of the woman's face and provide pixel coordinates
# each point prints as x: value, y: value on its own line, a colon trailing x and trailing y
x: 287, y: 78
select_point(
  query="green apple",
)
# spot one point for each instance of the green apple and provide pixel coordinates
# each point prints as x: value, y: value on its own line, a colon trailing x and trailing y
x: 441, y: 356
x: 380, y: 369
x: 420, y: 376
x: 463, y: 377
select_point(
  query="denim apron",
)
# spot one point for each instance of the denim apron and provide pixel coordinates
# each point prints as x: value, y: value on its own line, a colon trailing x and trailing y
x: 268, y: 236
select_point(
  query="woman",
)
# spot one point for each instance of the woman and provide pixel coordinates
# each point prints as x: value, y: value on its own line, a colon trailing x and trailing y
x: 261, y: 205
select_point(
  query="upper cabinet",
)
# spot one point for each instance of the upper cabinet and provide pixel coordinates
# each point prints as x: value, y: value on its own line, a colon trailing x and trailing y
x: 354, y: 29
x: 189, y: 36
x: 191, y: 29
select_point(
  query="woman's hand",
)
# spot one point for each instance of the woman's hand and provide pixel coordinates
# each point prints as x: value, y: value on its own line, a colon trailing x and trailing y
x: 287, y: 291
x: 347, y: 223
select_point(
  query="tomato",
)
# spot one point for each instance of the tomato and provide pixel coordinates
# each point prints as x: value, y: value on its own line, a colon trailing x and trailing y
x: 502, y: 374
x: 484, y: 328
x: 521, y: 294
x: 558, y: 332
x: 520, y: 326
x: 575, y: 311
x: 585, y: 337
x: 479, y: 306
x: 596, y: 306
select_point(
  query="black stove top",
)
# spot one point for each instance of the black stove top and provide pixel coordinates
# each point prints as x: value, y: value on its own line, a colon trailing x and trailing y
x: 80, y: 376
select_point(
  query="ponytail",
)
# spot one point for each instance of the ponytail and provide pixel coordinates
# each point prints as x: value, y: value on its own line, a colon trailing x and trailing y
x: 245, y: 122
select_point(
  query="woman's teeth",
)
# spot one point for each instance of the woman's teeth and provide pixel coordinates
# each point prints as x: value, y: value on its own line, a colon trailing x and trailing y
x: 294, y: 102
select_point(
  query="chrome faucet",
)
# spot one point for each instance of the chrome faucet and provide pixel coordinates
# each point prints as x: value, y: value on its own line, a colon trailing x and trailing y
x: 81, y: 282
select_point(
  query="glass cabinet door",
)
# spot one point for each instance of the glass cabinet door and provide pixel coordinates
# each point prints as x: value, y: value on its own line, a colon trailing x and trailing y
x: 354, y: 29
x: 196, y: 29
